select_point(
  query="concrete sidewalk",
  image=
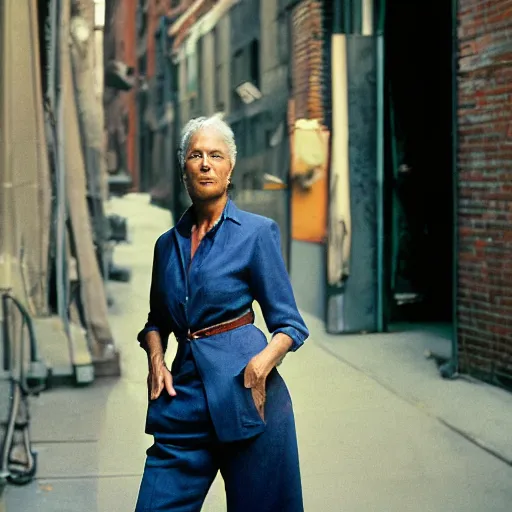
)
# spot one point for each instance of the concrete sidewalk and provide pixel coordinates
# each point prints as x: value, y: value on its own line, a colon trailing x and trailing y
x: 367, y: 419
x: 397, y: 361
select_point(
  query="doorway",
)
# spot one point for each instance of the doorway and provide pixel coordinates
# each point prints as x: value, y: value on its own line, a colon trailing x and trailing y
x: 418, y: 162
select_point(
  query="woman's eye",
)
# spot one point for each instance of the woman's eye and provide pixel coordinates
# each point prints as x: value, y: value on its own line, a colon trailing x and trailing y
x: 217, y: 156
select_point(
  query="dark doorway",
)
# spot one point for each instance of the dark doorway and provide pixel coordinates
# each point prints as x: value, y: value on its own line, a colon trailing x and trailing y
x: 418, y: 163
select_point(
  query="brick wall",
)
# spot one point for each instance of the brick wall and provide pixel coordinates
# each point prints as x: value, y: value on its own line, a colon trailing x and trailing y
x: 308, y: 59
x: 485, y: 189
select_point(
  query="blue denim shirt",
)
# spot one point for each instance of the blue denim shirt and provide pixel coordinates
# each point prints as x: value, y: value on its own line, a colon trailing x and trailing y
x: 237, y: 262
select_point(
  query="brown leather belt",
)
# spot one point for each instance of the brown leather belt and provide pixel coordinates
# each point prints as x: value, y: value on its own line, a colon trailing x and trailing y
x: 229, y: 325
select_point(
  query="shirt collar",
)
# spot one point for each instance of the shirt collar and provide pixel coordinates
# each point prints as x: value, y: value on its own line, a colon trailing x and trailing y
x: 184, y: 225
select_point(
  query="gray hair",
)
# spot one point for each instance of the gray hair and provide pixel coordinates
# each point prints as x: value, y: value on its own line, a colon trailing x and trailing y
x: 194, y: 125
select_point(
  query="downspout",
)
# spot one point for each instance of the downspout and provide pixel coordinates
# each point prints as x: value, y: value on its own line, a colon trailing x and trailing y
x: 450, y: 369
x: 61, y: 263
x: 379, y: 41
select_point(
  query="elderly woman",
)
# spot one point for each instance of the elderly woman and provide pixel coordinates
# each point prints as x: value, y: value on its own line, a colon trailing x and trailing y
x: 223, y: 405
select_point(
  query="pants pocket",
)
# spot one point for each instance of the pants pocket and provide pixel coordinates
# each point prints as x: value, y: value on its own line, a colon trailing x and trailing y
x: 250, y: 413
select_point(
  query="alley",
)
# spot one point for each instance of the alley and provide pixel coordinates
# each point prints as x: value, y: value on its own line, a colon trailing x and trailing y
x: 363, y: 448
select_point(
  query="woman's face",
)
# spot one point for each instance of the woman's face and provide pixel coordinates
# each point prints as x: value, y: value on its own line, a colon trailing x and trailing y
x: 207, y: 165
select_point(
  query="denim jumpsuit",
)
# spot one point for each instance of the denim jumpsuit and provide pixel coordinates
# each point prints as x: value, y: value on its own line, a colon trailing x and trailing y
x: 212, y: 424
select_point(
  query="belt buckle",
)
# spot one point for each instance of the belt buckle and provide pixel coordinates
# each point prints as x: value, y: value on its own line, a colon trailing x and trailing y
x: 191, y: 336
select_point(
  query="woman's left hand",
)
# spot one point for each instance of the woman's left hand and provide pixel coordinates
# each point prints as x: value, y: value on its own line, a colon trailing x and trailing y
x: 255, y: 377
x: 256, y: 372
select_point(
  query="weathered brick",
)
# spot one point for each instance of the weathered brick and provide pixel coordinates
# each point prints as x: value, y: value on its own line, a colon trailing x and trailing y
x: 484, y: 86
x: 308, y: 74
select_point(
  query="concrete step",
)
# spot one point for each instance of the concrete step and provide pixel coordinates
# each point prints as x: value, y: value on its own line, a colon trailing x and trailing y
x: 68, y: 360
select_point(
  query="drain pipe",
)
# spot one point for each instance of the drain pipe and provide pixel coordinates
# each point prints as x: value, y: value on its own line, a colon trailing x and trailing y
x: 450, y: 369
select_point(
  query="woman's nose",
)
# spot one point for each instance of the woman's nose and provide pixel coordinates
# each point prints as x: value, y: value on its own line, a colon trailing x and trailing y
x: 205, y: 164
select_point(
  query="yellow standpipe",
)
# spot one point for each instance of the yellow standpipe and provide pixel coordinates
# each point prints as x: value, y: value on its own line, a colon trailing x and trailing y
x: 340, y: 224
x: 367, y: 11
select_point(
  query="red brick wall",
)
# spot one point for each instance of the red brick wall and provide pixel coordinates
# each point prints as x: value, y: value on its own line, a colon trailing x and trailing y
x: 485, y: 188
x: 307, y: 60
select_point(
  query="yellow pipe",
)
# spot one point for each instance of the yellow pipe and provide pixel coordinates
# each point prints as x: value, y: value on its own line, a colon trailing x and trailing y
x: 340, y: 218
x: 367, y: 9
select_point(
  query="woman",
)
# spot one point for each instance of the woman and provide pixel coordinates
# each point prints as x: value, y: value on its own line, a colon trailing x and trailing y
x: 222, y: 406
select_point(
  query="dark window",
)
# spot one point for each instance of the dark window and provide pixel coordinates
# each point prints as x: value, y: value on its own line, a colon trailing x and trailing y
x: 283, y: 38
x: 217, y: 55
x: 238, y: 68
x: 254, y: 62
x: 245, y: 68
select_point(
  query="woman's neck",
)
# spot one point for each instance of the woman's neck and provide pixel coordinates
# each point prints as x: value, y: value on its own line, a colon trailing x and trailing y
x: 208, y: 212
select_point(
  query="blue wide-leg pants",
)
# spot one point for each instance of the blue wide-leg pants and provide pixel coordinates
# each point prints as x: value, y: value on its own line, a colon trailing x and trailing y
x: 261, y: 474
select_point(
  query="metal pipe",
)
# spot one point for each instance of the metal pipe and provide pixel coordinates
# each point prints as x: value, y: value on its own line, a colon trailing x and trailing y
x: 60, y: 174
x: 367, y: 17
x: 455, y: 141
x: 34, y: 356
x: 381, y: 323
x: 5, y: 335
x: 357, y: 16
x: 20, y: 389
x: 52, y: 57
x: 338, y: 18
x: 347, y: 17
x: 451, y: 368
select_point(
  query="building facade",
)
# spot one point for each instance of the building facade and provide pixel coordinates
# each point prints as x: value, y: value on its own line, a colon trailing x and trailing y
x: 389, y: 181
x: 484, y: 115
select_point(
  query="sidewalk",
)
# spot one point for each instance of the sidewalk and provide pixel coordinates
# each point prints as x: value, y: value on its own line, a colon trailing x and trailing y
x: 398, y: 362
x: 367, y: 410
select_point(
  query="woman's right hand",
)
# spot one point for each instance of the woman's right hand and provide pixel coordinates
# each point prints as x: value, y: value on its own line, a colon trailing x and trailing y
x: 159, y: 377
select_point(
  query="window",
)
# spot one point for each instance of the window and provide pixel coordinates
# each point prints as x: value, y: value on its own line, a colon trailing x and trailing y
x: 254, y: 62
x: 238, y: 68
x: 283, y: 38
x: 245, y: 68
x: 219, y: 66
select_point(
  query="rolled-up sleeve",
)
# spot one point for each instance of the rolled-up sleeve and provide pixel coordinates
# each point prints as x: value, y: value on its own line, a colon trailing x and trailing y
x: 272, y: 288
x: 155, y: 321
